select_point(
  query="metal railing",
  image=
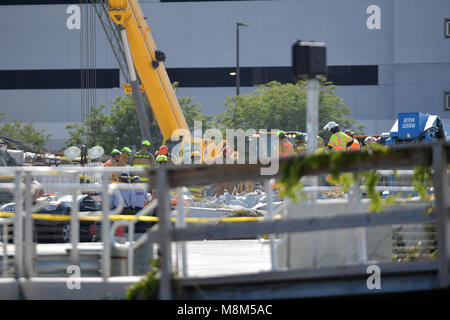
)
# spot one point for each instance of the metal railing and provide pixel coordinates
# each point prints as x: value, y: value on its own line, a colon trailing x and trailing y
x: 399, y: 158
x: 166, y: 178
x: 23, y: 190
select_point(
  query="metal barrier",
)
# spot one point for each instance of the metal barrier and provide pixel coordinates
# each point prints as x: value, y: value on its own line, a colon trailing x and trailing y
x: 402, y: 157
x: 166, y: 178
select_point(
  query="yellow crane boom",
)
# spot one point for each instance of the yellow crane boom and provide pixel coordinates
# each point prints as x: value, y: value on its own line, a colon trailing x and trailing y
x: 148, y: 62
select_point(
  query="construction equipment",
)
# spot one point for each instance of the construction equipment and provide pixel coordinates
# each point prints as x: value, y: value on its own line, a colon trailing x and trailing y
x: 415, y: 127
x: 142, y: 65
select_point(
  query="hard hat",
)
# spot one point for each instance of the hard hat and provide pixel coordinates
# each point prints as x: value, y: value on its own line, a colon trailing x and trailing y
x: 115, y: 151
x: 162, y: 158
x: 369, y: 139
x: 300, y: 136
x: 146, y: 143
x: 163, y: 150
x: 136, y: 178
x: 349, y: 133
x: 124, y: 175
x: 330, y: 125
x: 126, y: 150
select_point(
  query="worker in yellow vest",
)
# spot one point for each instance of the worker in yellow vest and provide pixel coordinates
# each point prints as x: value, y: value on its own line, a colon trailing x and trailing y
x: 339, y: 140
x: 144, y: 158
x: 300, y: 144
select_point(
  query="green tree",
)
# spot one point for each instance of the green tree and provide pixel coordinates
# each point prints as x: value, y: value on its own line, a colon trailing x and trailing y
x: 283, y: 106
x: 33, y: 139
x: 120, y: 127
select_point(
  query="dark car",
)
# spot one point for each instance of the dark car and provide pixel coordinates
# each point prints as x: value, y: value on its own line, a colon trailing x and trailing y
x: 50, y: 231
x: 59, y: 231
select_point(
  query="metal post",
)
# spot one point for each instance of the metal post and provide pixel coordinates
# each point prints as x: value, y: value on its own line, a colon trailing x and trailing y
x: 74, y: 229
x: 238, y: 69
x: 18, y: 226
x: 5, y: 248
x: 29, y: 252
x: 356, y: 237
x: 181, y: 223
x: 273, y: 251
x: 312, y: 123
x: 238, y: 73
x: 131, y: 247
x: 312, y: 113
x: 106, y: 258
x: 164, y: 244
x: 136, y: 90
x: 442, y: 212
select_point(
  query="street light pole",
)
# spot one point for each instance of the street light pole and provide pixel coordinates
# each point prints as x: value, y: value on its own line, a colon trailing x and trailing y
x: 238, y: 71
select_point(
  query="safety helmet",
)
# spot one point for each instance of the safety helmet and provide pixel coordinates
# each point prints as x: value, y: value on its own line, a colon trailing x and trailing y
x: 300, y: 137
x: 136, y: 178
x: 146, y: 143
x: 114, y: 152
x: 124, y: 175
x: 349, y: 133
x: 126, y: 150
x: 163, y: 150
x: 162, y: 158
x: 369, y: 139
x: 330, y: 125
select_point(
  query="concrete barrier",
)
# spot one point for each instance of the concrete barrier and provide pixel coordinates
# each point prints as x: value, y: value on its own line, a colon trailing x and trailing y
x: 94, y: 288
x: 335, y: 247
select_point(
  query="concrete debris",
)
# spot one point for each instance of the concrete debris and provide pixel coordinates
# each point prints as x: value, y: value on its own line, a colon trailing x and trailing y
x: 249, y: 203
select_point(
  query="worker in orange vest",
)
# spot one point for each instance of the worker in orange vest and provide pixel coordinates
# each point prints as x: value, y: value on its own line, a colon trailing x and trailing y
x: 285, y: 147
x: 355, y: 146
x: 114, y: 162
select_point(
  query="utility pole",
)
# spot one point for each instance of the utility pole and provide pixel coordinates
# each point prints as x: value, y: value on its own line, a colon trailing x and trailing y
x: 238, y: 71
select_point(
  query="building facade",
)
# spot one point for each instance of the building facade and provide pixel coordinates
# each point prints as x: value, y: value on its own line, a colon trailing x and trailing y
x: 385, y: 56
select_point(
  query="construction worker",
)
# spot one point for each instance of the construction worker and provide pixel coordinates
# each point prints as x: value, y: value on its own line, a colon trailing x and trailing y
x: 162, y: 160
x: 370, y: 141
x: 300, y: 144
x: 338, y: 141
x: 144, y: 158
x: 141, y: 196
x: 128, y: 196
x: 113, y: 162
x: 285, y: 147
x: 355, y: 145
x: 126, y: 153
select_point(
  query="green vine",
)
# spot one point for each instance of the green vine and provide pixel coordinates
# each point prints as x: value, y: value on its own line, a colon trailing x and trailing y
x: 147, y: 288
x: 336, y: 163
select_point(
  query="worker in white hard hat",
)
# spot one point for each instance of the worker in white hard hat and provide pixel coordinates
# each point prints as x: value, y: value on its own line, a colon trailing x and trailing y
x: 369, y: 140
x: 338, y: 140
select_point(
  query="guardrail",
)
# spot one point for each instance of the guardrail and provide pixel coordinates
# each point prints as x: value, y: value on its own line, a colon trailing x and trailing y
x: 399, y: 157
x: 165, y: 178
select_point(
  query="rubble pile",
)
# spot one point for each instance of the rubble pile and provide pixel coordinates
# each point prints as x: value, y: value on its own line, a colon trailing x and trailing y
x: 248, y: 203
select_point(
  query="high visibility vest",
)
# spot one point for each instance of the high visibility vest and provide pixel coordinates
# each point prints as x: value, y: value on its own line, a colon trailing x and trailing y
x: 338, y: 141
x: 355, y: 145
x: 143, y: 159
x: 196, y: 193
x: 299, y: 148
x: 286, y: 149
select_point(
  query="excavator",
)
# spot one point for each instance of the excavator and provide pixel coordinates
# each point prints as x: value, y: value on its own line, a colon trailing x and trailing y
x: 142, y: 66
